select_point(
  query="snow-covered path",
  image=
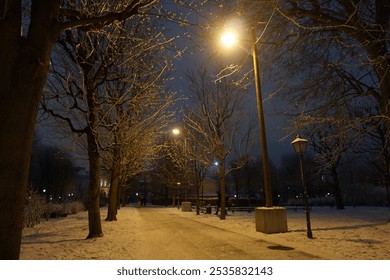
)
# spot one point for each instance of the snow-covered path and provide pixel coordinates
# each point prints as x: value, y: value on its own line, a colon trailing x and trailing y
x: 146, y: 233
x: 168, y: 233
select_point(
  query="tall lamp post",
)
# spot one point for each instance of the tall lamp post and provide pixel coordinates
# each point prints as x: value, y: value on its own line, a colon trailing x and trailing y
x: 260, y: 114
x: 177, y: 132
x: 269, y: 219
x: 229, y: 39
x: 178, y: 195
x: 186, y: 205
x: 300, y: 146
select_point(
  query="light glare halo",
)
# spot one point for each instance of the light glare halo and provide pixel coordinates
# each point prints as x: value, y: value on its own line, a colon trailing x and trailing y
x: 228, y: 39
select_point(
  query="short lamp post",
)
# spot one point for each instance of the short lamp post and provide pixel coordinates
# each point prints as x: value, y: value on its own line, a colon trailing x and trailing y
x: 300, y: 146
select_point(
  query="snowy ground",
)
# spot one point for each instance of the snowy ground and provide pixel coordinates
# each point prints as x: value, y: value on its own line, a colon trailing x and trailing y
x: 168, y: 233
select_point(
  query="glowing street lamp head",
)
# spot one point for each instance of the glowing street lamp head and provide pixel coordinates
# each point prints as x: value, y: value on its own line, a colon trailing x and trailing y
x: 175, y: 131
x: 229, y: 39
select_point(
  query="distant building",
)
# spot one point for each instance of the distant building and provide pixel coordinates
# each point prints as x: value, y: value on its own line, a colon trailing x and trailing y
x: 82, y: 182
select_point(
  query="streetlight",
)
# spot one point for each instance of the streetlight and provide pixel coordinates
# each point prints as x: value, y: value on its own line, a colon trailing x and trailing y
x: 269, y: 219
x: 300, y: 146
x: 229, y: 39
x: 177, y: 132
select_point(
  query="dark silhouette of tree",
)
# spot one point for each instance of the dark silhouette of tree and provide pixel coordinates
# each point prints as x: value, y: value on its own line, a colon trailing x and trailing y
x: 52, y: 172
x: 329, y: 146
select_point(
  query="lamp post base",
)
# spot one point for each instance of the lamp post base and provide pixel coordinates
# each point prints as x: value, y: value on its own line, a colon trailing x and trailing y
x: 186, y: 207
x: 271, y: 219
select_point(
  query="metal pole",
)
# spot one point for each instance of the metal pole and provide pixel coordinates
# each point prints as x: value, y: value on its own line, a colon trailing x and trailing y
x: 263, y: 137
x: 188, y: 161
x: 173, y: 198
x: 305, y: 200
x: 178, y: 198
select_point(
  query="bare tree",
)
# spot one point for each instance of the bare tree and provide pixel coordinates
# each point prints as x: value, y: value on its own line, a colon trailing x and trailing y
x: 216, y: 116
x: 29, y: 30
x: 189, y: 155
x: 136, y: 126
x: 166, y: 167
x: 73, y: 95
x: 374, y: 147
x: 198, y: 158
x: 330, y: 145
x: 356, y: 28
x: 126, y: 96
x: 350, y: 41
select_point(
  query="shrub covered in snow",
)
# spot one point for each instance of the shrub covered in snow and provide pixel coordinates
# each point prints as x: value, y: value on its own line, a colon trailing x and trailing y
x: 36, y: 208
x: 57, y: 210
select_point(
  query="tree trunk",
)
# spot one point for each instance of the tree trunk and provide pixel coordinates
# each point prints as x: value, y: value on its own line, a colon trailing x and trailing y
x: 222, y: 182
x: 197, y: 186
x: 94, y: 223
x: 173, y: 197
x: 114, y: 188
x: 19, y: 109
x: 221, y: 173
x: 120, y: 203
x: 386, y: 157
x: 23, y: 69
x: 336, y: 189
x: 123, y: 195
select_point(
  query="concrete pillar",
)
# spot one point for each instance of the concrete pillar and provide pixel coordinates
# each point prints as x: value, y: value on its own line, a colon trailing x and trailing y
x: 186, y: 207
x: 271, y: 219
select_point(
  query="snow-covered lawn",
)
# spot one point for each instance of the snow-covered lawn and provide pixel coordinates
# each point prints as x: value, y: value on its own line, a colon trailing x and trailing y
x: 354, y: 233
